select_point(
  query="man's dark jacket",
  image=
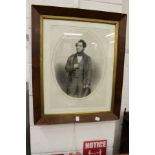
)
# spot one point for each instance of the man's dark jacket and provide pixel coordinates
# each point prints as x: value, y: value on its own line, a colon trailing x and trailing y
x: 86, y: 68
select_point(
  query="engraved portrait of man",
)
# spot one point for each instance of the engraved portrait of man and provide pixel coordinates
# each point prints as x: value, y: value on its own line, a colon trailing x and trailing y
x: 79, y: 70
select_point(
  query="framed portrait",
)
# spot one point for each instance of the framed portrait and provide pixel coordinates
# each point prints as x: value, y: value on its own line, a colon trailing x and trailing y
x: 77, y: 64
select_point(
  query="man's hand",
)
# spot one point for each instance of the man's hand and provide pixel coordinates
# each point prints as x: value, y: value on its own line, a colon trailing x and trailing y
x: 76, y: 66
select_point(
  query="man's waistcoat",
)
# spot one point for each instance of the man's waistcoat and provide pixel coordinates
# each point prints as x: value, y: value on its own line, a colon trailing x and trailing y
x: 84, y: 71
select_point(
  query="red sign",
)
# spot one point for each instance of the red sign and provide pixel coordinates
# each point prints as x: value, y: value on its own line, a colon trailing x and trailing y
x: 97, y: 147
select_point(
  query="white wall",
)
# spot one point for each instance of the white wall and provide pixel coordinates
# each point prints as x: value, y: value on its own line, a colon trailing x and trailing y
x: 67, y: 137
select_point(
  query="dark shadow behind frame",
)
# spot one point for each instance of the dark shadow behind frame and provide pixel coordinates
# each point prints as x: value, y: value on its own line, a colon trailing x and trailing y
x: 124, y: 145
x: 28, y: 144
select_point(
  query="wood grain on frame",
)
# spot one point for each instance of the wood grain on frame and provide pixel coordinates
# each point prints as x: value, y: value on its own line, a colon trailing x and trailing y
x: 39, y: 117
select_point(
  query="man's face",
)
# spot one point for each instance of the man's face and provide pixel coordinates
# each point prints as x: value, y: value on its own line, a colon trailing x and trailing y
x: 79, y: 47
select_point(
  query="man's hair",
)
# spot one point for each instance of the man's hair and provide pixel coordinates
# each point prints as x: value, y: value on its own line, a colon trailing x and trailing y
x: 83, y: 42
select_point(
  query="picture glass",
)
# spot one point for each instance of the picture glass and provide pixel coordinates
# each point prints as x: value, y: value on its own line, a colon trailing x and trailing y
x: 78, y: 66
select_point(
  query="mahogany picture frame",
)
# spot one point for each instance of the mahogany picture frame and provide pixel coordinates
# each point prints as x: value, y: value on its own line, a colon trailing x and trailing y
x: 39, y: 117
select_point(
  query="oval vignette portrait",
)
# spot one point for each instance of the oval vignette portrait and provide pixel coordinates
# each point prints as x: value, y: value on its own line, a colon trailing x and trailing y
x: 79, y: 63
